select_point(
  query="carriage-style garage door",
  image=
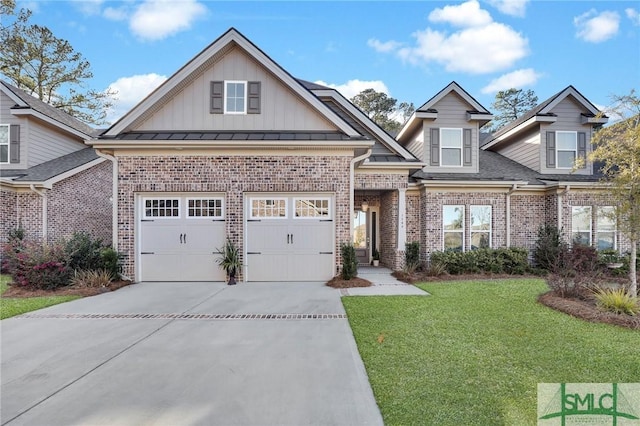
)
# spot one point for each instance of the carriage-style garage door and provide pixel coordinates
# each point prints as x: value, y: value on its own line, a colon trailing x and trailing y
x: 289, y: 237
x: 179, y: 235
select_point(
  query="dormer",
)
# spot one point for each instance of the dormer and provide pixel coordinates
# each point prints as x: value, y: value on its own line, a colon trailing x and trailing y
x: 550, y: 137
x: 444, y: 132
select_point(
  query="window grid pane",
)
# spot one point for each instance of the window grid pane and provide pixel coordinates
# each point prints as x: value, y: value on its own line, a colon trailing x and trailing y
x: 606, y: 228
x: 4, y: 143
x: 206, y: 207
x: 272, y: 208
x: 566, y: 147
x: 235, y: 97
x: 480, y: 227
x: 162, y: 208
x: 312, y: 208
x: 581, y: 225
x: 453, y: 228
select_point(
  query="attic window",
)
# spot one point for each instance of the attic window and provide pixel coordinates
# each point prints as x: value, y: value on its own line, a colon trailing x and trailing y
x: 235, y: 97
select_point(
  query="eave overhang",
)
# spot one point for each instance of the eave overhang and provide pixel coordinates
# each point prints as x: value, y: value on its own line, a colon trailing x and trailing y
x: 231, y: 144
x: 63, y: 127
x: 521, y: 127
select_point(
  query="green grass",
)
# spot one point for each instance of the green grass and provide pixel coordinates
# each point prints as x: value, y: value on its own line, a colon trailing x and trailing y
x: 473, y: 352
x: 12, y: 307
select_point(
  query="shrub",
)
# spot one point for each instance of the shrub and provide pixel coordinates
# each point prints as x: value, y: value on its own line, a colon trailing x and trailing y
x: 411, y: 256
x: 498, y: 261
x: 33, y: 265
x: 95, y: 278
x: 576, y: 270
x: 548, y: 247
x: 84, y: 252
x: 349, y: 261
x: 618, y: 301
x: 111, y: 261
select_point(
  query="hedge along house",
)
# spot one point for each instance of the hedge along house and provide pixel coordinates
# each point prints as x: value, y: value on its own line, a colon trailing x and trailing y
x: 232, y: 146
x: 51, y: 183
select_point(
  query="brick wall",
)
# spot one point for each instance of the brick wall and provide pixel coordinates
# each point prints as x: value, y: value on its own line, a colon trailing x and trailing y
x: 8, y: 210
x: 380, y: 181
x: 29, y: 214
x: 528, y: 213
x: 233, y: 176
x: 82, y: 203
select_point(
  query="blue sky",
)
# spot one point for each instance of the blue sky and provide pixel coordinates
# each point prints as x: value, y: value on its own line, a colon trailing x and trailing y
x: 409, y: 50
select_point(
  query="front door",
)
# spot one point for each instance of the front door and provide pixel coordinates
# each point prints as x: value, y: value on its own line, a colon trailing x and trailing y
x: 361, y: 240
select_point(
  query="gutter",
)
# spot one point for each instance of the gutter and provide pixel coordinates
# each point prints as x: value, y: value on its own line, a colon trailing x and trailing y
x: 45, y: 208
x: 508, y: 219
x: 114, y: 198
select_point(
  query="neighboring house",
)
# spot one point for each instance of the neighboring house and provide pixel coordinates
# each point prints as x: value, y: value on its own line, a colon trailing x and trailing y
x: 51, y: 183
x: 233, y: 146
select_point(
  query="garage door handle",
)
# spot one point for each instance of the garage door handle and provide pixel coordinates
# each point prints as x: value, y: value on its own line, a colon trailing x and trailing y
x: 288, y: 238
x: 291, y: 238
x: 180, y: 238
x: 326, y: 252
x: 254, y: 252
x: 185, y: 238
x: 147, y: 252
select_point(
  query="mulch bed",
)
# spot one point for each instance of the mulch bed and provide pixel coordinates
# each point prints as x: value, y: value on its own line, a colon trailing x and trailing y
x: 587, y: 310
x: 16, y: 292
x: 338, y: 282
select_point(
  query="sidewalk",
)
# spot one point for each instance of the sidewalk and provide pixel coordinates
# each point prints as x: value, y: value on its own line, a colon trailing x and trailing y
x: 384, y: 284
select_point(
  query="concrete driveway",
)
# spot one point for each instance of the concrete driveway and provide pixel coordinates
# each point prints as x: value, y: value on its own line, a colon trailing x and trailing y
x: 186, y: 354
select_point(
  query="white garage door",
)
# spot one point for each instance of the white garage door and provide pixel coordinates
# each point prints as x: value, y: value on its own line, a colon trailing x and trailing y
x: 178, y: 237
x: 290, y: 238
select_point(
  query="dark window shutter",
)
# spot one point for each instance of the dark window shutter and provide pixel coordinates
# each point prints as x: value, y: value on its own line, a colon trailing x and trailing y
x: 217, y: 97
x: 551, y: 150
x: 14, y: 143
x: 435, y: 147
x: 253, y: 97
x: 466, y: 147
x: 582, y: 147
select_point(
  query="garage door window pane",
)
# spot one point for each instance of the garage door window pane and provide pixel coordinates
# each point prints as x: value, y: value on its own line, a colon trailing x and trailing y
x: 204, y: 207
x: 268, y: 208
x: 161, y: 207
x: 310, y: 208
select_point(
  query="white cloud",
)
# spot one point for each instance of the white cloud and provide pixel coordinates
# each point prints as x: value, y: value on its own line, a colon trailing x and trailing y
x: 463, y: 15
x: 89, y: 7
x: 633, y: 15
x: 353, y: 87
x: 477, y: 50
x: 516, y: 79
x: 596, y: 28
x: 385, y: 47
x: 511, y: 7
x: 116, y: 13
x: 158, y: 19
x: 480, y: 46
x: 132, y: 90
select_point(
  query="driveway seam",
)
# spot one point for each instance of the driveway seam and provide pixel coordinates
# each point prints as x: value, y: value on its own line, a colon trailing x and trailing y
x: 186, y: 316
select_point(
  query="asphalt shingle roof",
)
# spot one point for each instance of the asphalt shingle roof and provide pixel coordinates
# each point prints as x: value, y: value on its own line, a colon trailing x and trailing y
x: 45, y: 171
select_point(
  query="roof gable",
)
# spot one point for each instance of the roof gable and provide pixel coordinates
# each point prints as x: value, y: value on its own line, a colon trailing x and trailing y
x: 453, y: 87
x: 230, y: 43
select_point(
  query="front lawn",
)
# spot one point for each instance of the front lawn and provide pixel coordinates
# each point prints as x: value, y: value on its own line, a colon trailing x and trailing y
x: 474, y: 352
x: 10, y: 307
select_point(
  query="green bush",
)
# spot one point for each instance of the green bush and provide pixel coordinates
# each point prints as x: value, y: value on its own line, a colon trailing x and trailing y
x: 95, y: 278
x: 349, y: 261
x: 412, y: 256
x: 618, y: 301
x: 498, y: 261
x: 111, y: 261
x: 548, y: 248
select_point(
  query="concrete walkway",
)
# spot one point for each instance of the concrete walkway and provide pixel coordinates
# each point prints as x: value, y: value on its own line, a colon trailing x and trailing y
x: 187, y: 354
x: 384, y: 284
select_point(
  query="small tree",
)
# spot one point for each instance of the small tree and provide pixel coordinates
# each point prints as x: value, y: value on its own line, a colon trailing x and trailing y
x: 383, y: 109
x: 349, y: 261
x: 616, y: 150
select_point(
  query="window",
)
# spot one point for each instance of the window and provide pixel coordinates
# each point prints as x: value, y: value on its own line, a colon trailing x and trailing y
x: 451, y: 147
x: 566, y: 149
x: 581, y: 225
x: 453, y: 228
x: 161, y: 207
x: 312, y: 208
x: 274, y: 208
x: 480, y: 227
x: 235, y: 96
x: 204, y: 208
x: 4, y: 143
x: 606, y: 228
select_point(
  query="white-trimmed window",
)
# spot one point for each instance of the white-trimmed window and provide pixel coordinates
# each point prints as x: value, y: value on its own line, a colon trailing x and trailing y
x: 235, y: 97
x: 271, y: 208
x: 605, y: 228
x: 212, y: 208
x: 309, y: 208
x: 161, y: 207
x: 453, y: 228
x: 480, y: 227
x: 581, y: 225
x: 566, y: 149
x: 451, y: 147
x: 4, y: 143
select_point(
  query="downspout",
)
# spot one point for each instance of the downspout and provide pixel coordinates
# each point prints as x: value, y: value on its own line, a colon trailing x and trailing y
x: 45, y: 222
x: 114, y: 198
x: 508, y: 221
x: 566, y: 189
